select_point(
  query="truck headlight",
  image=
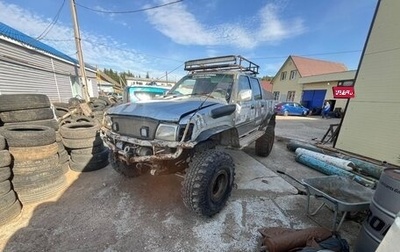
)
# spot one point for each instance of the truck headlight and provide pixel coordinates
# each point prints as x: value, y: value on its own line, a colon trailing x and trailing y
x: 167, y: 132
x: 107, y: 121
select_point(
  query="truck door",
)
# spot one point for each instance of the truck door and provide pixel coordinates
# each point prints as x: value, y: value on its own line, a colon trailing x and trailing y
x: 259, y: 106
x: 245, y: 113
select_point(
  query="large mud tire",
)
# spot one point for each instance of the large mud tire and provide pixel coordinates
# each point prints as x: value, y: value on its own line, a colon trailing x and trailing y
x: 5, y: 187
x: 23, y: 101
x: 83, y: 142
x: 34, y: 152
x: 44, y: 192
x: 79, y: 130
x: 41, y: 165
x: 52, y: 123
x: 6, y: 200
x: 2, y: 143
x: 208, y: 182
x: 5, y: 173
x: 28, y: 135
x: 130, y: 171
x: 26, y: 115
x: 265, y: 143
x: 5, y: 158
x: 10, y: 213
x: 80, y: 158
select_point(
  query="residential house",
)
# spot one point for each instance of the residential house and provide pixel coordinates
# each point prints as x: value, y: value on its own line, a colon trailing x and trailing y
x: 310, y: 81
x: 266, y: 85
x: 370, y: 126
x: 30, y: 66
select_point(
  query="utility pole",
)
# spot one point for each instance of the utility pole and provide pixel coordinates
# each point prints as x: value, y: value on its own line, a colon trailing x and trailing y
x: 79, y: 52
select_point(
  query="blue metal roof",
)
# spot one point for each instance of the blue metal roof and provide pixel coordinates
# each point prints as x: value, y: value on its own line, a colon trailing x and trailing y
x: 13, y: 34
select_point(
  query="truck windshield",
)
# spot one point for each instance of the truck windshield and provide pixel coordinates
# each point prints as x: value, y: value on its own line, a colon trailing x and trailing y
x: 215, y: 85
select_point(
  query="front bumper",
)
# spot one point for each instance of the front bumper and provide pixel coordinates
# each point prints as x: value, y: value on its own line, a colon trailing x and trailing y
x: 127, y: 148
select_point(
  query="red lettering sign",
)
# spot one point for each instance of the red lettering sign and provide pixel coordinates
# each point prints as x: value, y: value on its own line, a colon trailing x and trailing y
x: 343, y: 92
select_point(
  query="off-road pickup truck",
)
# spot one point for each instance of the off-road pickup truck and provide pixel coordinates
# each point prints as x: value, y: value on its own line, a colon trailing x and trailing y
x: 219, y: 104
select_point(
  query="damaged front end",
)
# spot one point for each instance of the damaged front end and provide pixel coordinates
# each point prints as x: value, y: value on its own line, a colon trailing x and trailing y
x: 146, y: 143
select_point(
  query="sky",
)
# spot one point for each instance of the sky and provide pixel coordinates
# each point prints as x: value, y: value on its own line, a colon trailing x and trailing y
x: 156, y: 37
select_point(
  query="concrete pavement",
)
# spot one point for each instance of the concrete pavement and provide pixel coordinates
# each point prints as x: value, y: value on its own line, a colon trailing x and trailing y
x: 102, y: 211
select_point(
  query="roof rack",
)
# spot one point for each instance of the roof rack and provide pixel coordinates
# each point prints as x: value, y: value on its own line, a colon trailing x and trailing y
x: 230, y: 62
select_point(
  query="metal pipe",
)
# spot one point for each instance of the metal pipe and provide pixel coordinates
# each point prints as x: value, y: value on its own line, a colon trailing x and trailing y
x: 330, y: 169
x: 293, y: 145
x: 338, y: 162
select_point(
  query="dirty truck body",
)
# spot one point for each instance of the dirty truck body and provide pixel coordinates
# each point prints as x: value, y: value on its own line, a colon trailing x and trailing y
x: 218, y: 104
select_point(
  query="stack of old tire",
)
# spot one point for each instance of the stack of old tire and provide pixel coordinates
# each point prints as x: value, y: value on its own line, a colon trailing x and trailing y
x: 85, y: 146
x: 30, y: 131
x: 10, y: 206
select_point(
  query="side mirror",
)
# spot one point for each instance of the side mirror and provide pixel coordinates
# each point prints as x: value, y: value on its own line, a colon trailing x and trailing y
x: 245, y: 95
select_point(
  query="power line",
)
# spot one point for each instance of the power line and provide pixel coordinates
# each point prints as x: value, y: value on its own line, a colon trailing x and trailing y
x: 173, y: 70
x: 53, y: 22
x: 129, y: 11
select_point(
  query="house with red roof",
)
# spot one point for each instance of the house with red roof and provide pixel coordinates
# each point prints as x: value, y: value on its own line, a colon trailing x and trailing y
x: 310, y: 81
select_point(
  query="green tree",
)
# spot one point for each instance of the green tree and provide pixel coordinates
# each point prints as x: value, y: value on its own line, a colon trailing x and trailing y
x: 267, y: 78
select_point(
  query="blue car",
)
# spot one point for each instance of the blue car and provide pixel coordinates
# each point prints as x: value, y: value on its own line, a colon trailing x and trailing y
x: 291, y: 108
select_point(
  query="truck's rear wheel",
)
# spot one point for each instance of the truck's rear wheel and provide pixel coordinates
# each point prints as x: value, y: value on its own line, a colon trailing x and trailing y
x: 208, y: 182
x: 130, y: 171
x: 265, y: 143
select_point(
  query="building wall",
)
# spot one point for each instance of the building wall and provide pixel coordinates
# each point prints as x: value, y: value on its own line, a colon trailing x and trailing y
x: 24, y: 70
x: 286, y: 85
x: 371, y: 125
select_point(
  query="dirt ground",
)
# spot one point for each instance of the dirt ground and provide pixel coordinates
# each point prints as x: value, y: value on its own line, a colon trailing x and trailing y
x: 103, y: 211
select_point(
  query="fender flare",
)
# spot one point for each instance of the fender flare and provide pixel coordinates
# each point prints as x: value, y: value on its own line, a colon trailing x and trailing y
x: 228, y: 135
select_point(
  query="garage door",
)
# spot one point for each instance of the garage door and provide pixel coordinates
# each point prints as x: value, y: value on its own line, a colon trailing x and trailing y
x: 313, y: 98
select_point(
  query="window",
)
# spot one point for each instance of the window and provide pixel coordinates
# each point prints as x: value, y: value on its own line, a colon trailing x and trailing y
x: 256, y: 89
x: 276, y: 95
x: 283, y: 75
x: 290, y: 95
x: 244, y: 83
x: 293, y: 74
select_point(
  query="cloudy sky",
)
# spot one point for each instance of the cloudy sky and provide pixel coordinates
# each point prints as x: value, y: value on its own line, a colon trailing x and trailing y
x: 158, y: 36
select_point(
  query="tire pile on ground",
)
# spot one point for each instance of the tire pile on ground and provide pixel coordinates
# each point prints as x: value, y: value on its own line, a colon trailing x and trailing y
x: 96, y: 105
x: 10, y: 206
x: 37, y: 173
x: 30, y: 131
x: 85, y: 146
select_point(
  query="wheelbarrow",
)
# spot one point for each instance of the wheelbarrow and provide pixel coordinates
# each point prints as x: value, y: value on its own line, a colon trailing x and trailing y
x: 339, y: 193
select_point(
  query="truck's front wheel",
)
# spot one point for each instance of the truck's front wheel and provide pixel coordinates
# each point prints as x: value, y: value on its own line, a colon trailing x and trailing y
x: 130, y: 171
x: 208, y: 182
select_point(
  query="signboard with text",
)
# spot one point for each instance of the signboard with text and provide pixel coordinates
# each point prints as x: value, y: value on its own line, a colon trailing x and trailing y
x: 343, y: 92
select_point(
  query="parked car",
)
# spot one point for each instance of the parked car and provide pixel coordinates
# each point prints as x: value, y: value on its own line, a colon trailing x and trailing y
x: 291, y: 108
x: 143, y: 93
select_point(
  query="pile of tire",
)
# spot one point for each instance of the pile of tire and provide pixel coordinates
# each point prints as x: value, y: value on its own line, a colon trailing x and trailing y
x: 10, y: 206
x: 26, y: 119
x: 85, y: 147
x: 30, y: 109
x: 37, y: 173
x: 17, y: 109
x: 97, y: 105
